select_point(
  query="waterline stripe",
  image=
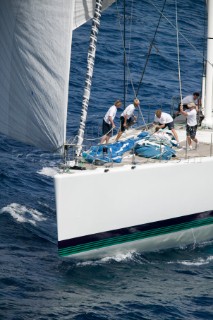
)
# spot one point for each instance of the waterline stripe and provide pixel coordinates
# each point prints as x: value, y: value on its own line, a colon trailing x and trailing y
x: 113, y: 240
x: 133, y: 229
x: 139, y: 235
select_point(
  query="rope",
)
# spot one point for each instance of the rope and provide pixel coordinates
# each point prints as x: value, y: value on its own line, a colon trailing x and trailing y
x: 178, y: 53
x: 127, y: 62
x: 180, y: 33
x: 93, y: 139
x: 129, y: 51
x: 150, y: 48
x: 130, y: 28
x: 140, y: 111
x: 204, y: 46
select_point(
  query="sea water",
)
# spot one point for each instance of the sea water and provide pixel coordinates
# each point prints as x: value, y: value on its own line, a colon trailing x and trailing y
x: 35, y: 282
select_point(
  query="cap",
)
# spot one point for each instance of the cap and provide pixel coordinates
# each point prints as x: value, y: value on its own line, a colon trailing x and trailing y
x: 191, y: 105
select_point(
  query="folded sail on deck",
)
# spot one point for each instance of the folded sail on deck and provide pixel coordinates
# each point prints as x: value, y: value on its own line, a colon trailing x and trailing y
x: 35, y: 50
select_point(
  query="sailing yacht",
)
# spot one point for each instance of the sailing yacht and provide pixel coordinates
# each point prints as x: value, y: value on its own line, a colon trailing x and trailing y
x: 34, y: 81
x: 96, y: 216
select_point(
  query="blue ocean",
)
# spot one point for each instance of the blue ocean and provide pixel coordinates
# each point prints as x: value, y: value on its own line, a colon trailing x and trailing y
x: 35, y: 283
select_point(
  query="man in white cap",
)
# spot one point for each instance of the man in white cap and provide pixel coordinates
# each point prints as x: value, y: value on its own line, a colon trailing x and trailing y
x: 189, y: 99
x: 191, y: 126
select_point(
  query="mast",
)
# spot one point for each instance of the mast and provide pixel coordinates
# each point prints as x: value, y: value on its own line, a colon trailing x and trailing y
x: 208, y: 120
x: 89, y: 74
x: 124, y: 36
x: 203, y: 87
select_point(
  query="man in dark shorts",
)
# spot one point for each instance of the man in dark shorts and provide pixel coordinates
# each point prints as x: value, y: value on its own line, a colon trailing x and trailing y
x: 127, y: 117
x: 191, y: 126
x: 108, y: 121
x: 165, y: 120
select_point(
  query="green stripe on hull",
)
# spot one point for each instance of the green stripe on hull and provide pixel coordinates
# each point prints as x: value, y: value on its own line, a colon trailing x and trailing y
x: 134, y: 237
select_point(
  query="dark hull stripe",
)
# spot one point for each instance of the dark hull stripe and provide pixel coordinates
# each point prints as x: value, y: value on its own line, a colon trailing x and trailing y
x: 119, y: 236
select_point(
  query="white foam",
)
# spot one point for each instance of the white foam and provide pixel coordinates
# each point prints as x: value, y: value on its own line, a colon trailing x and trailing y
x: 121, y: 257
x: 23, y: 214
x: 198, y: 262
x: 48, y: 171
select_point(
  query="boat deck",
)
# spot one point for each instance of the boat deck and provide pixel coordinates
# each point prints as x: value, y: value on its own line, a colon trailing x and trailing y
x: 205, y: 148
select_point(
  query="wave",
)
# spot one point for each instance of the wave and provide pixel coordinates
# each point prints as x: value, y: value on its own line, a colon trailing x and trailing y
x: 48, y: 171
x: 23, y: 214
x: 120, y: 257
x: 197, y: 262
x: 199, y: 255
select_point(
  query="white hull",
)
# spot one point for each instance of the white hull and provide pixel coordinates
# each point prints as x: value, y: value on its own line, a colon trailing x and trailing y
x: 154, y: 206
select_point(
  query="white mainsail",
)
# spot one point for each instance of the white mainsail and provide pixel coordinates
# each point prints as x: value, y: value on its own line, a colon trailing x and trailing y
x: 84, y: 10
x: 35, y: 51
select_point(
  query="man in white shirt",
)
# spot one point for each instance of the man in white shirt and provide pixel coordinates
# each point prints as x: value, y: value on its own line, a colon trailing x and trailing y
x: 192, y: 98
x: 108, y: 121
x: 191, y: 127
x: 165, y: 120
x: 127, y: 117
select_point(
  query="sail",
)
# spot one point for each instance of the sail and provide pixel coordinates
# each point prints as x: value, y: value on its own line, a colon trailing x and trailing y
x: 35, y: 51
x: 84, y: 10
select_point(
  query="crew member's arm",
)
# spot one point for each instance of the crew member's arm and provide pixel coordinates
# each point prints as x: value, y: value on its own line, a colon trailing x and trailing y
x: 125, y: 120
x: 161, y: 126
x: 111, y: 121
x: 184, y: 113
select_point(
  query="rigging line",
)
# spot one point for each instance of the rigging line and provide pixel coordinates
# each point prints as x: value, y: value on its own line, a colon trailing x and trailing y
x: 150, y: 48
x: 140, y: 111
x: 127, y: 64
x: 124, y: 54
x: 178, y: 51
x: 182, y: 35
x: 204, y: 41
x: 139, y: 108
x: 93, y: 139
x: 130, y: 29
x: 130, y: 39
x: 128, y: 68
x: 126, y: 59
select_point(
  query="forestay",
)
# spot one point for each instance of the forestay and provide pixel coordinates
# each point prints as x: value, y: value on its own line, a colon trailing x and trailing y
x: 35, y: 40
